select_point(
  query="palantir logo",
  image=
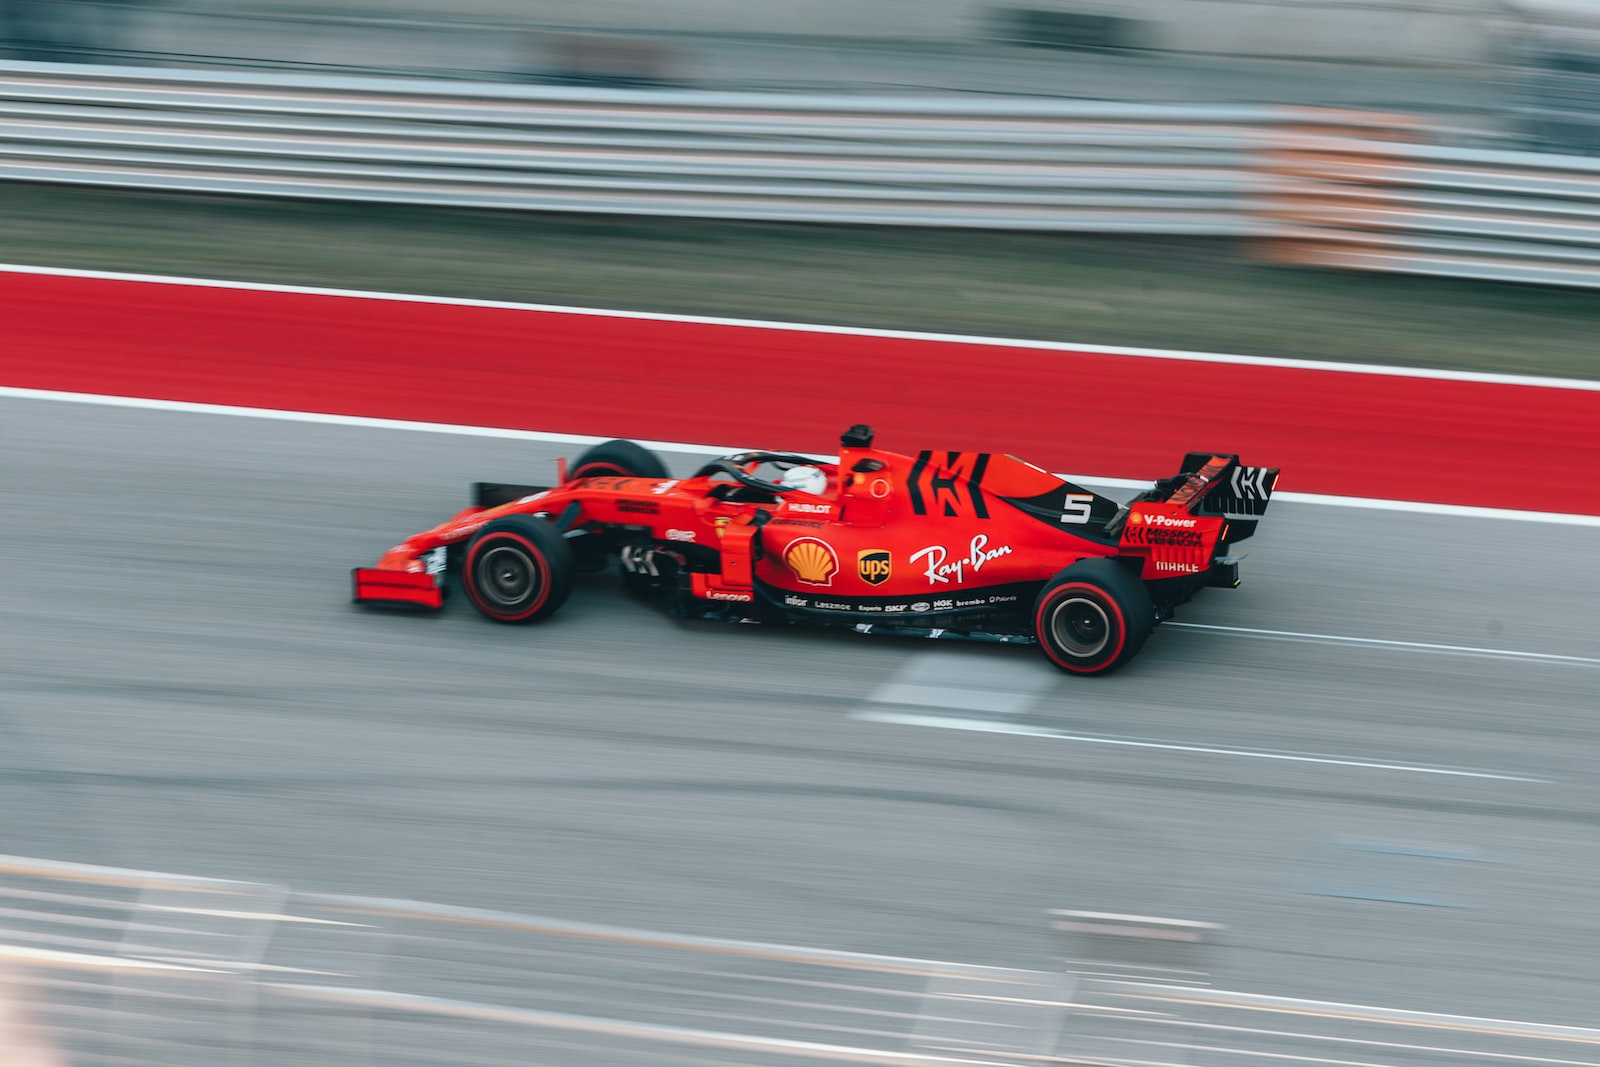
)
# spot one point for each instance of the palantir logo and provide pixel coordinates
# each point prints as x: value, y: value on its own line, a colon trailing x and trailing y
x: 873, y: 566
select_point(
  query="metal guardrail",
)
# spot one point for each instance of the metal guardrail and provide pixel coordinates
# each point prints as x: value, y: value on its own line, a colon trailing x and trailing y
x: 1324, y: 187
x: 1013, y: 163
x: 1213, y: 1028
x: 132, y: 968
x: 1424, y: 209
x: 143, y: 968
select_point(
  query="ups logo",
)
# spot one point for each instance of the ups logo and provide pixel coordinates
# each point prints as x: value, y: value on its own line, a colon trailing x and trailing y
x: 873, y: 566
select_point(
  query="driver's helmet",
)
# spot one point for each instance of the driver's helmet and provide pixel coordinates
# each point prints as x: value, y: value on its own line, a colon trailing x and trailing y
x: 806, y: 480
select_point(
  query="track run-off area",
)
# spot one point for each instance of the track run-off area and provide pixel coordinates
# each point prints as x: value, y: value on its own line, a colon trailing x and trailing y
x: 1373, y: 763
x: 1356, y: 431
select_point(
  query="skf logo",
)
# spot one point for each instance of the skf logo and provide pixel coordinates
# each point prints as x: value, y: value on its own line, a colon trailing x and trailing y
x: 873, y: 566
x: 814, y: 562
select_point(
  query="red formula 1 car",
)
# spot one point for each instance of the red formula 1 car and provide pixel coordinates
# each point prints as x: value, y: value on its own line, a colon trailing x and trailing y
x: 961, y: 545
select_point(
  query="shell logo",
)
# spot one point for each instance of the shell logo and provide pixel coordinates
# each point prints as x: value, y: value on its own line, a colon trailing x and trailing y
x: 814, y: 562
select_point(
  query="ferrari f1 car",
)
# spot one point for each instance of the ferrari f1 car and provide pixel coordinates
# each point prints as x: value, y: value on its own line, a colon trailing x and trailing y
x: 955, y: 545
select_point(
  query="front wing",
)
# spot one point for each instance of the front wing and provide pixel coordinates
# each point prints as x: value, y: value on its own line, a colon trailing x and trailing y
x: 372, y: 585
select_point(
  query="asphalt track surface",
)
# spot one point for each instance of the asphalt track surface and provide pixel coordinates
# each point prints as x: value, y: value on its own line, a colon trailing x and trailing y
x: 1409, y: 819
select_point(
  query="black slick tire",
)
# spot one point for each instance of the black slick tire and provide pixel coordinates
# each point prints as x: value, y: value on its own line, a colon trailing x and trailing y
x: 517, y: 569
x: 618, y: 459
x: 1092, y: 617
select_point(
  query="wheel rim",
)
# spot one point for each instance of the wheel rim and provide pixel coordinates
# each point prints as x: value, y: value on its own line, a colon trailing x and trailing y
x: 1080, y: 627
x: 507, y: 578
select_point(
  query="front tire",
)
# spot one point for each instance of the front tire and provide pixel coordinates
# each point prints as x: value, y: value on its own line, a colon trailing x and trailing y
x: 517, y: 569
x: 1092, y: 617
x: 620, y: 459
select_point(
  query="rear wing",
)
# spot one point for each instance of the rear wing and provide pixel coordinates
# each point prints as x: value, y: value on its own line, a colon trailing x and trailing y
x: 1217, y: 484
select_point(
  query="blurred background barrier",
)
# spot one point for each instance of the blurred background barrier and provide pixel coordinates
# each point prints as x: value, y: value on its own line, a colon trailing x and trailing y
x: 135, y: 967
x: 132, y: 967
x: 946, y: 116
x: 1009, y: 163
x: 1426, y: 209
x: 1432, y: 31
x: 1324, y: 187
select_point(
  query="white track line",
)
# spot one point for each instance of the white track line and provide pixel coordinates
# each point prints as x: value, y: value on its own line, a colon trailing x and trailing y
x: 1374, y: 642
x: 798, y: 327
x: 986, y: 726
x: 548, y: 437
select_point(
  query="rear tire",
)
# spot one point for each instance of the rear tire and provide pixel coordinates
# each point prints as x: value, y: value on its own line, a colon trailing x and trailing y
x: 1092, y: 617
x: 517, y: 569
x: 618, y: 459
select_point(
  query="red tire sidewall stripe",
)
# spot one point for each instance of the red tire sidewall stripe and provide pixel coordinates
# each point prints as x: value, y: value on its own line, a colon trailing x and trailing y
x: 536, y: 554
x: 1113, y: 612
x: 597, y: 470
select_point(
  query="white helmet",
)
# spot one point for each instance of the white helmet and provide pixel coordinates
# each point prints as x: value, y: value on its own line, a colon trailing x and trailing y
x: 806, y: 480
